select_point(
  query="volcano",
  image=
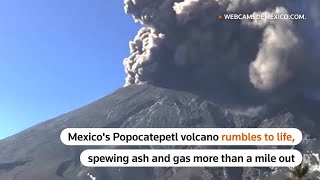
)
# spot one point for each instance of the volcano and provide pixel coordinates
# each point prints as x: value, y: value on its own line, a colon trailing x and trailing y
x: 188, y: 68
x: 38, y: 154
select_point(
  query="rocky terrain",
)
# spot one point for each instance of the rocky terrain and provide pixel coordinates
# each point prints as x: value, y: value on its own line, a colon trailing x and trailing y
x: 38, y: 154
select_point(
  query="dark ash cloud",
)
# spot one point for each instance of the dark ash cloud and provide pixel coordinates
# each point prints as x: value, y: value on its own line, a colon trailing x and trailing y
x: 182, y: 44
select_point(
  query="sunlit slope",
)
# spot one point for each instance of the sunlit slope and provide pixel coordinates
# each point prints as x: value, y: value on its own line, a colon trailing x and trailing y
x: 38, y: 154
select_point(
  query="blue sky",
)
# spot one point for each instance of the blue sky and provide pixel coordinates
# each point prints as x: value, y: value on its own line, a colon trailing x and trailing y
x: 56, y: 56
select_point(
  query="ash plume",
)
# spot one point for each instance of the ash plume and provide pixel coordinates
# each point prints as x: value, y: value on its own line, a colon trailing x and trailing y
x: 183, y: 44
x: 315, y: 13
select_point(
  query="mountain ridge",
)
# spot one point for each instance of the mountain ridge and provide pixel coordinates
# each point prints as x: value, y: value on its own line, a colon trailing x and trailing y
x: 38, y: 153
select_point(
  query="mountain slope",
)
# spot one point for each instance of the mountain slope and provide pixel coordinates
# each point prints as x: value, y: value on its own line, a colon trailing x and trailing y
x: 37, y: 153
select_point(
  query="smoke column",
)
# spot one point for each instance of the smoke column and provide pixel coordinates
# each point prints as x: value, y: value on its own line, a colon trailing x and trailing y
x: 183, y: 44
